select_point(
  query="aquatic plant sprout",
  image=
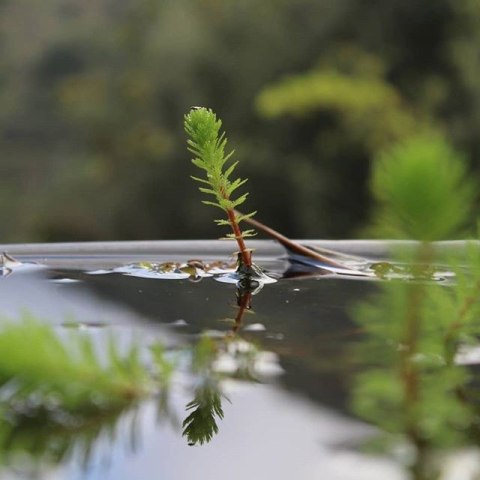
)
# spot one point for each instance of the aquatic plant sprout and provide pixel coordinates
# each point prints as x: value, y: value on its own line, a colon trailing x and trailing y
x: 208, y: 145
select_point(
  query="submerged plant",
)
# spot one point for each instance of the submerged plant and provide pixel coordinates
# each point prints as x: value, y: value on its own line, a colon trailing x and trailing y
x: 208, y: 144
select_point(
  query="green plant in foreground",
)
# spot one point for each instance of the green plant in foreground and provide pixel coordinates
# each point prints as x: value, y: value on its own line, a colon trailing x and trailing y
x: 414, y: 387
x: 208, y: 145
x: 423, y: 190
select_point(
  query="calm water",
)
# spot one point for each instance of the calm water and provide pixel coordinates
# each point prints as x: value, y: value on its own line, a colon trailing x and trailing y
x: 287, y: 407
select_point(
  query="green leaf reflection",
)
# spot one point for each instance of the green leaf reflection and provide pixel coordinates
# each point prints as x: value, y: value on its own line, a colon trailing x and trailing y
x: 63, y: 392
x: 201, y: 425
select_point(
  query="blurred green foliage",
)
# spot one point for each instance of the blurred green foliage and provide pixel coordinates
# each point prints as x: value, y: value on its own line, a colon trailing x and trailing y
x: 93, y: 93
x: 422, y: 189
x: 366, y: 106
x: 63, y: 392
x: 413, y: 383
x: 43, y: 371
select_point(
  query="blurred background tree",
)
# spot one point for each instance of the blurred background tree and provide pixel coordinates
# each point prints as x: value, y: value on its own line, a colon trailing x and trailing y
x: 93, y: 95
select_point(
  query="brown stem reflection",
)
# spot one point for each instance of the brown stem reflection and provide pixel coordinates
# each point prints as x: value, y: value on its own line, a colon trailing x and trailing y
x: 244, y: 303
x: 205, y: 409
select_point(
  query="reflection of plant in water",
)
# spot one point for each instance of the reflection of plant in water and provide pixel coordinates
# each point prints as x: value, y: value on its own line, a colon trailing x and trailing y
x: 200, y: 425
x: 206, y: 408
x: 68, y: 375
x: 413, y: 386
x: 244, y: 303
x: 56, y: 437
x: 207, y: 356
x: 59, y: 392
x: 57, y: 395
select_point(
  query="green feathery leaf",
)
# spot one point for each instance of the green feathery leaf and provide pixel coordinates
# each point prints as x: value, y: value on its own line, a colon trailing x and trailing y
x: 249, y: 233
x: 208, y: 144
x: 222, y: 222
x: 246, y: 216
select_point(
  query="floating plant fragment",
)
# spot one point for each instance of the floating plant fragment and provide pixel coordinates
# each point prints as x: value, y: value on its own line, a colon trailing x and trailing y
x: 9, y: 265
x: 411, y: 271
x: 193, y: 270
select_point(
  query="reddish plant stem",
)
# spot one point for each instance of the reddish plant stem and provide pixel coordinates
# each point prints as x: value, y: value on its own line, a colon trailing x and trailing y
x: 246, y: 255
x: 294, y: 246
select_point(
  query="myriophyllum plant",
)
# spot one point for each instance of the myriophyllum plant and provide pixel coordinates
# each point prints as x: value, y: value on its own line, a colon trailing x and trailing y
x: 417, y: 327
x: 208, y: 144
x: 423, y: 190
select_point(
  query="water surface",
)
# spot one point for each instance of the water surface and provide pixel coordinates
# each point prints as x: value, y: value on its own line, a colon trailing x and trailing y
x: 286, y: 410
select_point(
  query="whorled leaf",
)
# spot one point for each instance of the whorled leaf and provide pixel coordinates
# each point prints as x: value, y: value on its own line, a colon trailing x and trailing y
x: 208, y: 145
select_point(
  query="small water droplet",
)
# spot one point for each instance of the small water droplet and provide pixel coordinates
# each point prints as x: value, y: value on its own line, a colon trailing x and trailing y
x: 255, y: 327
x: 275, y: 336
x: 179, y: 323
x: 65, y: 280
